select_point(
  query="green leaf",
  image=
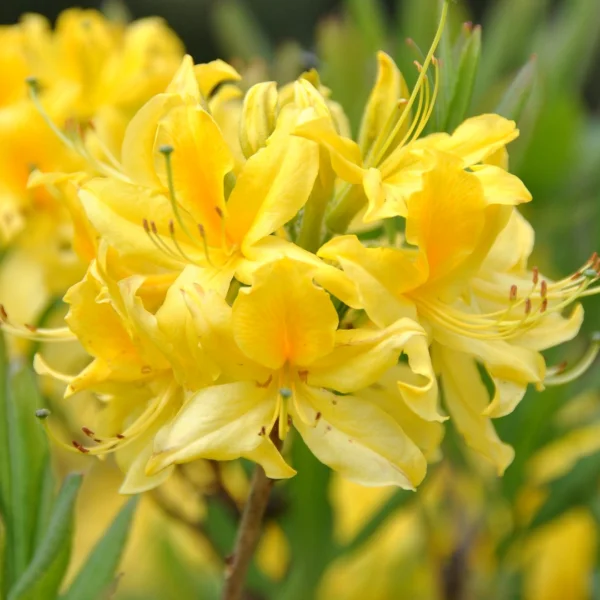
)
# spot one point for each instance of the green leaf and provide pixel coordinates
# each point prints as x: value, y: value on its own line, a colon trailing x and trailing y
x: 48, y: 560
x: 507, y: 37
x: 465, y: 81
x: 308, y: 523
x: 238, y: 32
x: 578, y: 487
x: 515, y: 97
x: 369, y: 19
x: 24, y: 459
x: 99, y: 570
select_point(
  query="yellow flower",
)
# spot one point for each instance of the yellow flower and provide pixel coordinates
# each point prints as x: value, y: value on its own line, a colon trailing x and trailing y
x: 386, y: 165
x: 86, y: 78
x: 168, y: 208
x: 464, y: 278
x: 281, y: 352
x: 143, y: 363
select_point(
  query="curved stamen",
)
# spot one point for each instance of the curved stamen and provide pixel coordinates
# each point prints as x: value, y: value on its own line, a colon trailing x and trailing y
x: 36, y: 334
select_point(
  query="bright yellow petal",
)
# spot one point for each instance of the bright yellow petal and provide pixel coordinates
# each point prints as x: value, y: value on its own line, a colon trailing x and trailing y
x: 446, y: 218
x: 116, y: 210
x: 284, y: 317
x: 345, y: 153
x: 466, y: 399
x: 258, y: 117
x: 382, y: 276
x: 200, y: 160
x: 500, y: 187
x: 213, y: 324
x: 273, y: 186
x: 210, y: 75
x: 477, y: 138
x: 358, y: 440
x: 273, y: 248
x: 382, y: 105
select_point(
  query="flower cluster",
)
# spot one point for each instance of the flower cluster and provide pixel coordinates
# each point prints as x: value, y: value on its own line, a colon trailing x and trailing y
x: 253, y: 270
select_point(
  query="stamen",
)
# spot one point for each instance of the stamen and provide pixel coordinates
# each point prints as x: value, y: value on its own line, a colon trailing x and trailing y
x: 580, y: 368
x: 205, y: 243
x: 36, y: 334
x: 108, y: 444
x: 417, y: 89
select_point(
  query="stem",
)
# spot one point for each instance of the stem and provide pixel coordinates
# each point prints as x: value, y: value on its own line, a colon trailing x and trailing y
x: 248, y: 534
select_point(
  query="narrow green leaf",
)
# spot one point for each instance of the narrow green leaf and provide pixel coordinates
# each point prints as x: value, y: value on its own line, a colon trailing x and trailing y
x: 369, y: 19
x: 24, y: 458
x: 517, y: 94
x: 465, y: 80
x: 238, y: 32
x: 569, y: 43
x: 99, y: 570
x: 507, y: 37
x: 51, y: 549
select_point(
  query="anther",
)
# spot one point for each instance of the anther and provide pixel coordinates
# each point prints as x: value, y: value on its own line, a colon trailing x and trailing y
x: 3, y: 313
x: 153, y: 227
x: 219, y: 212
x: 79, y: 447
x: 120, y: 436
x: 166, y: 149
x: 536, y: 275
x: 544, y: 305
x: 402, y: 102
x: 527, y: 306
x: 468, y: 26
x: 513, y: 293
x: 88, y: 432
x: 42, y: 413
x: 317, y: 417
x: 171, y: 227
x: 145, y: 225
x: 543, y: 288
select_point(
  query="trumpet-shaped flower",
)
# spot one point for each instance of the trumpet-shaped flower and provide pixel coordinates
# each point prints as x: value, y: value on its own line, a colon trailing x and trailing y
x: 464, y: 278
x: 170, y: 206
x: 286, y: 363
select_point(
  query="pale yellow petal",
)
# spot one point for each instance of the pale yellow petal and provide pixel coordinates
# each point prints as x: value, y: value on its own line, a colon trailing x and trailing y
x: 427, y: 435
x: 466, y: 398
x: 358, y: 440
x: 221, y: 422
x: 361, y: 356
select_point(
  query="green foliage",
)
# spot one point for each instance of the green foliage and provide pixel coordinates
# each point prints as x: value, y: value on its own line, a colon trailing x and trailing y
x: 38, y: 524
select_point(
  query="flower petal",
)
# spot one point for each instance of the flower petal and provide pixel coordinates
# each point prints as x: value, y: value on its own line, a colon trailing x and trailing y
x: 361, y: 356
x: 284, y: 317
x: 221, y: 422
x: 273, y: 186
x: 466, y: 399
x: 359, y: 440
